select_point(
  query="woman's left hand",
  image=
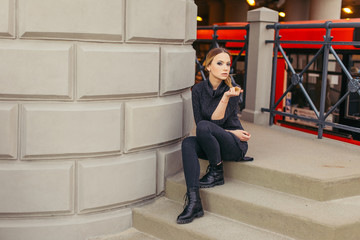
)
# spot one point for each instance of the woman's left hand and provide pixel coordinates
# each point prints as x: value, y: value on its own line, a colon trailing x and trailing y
x: 241, y: 134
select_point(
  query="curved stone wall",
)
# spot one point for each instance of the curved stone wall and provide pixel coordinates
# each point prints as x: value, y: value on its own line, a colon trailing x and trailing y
x: 94, y: 103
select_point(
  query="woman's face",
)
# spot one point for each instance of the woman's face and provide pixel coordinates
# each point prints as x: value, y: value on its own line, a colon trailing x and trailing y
x: 220, y: 66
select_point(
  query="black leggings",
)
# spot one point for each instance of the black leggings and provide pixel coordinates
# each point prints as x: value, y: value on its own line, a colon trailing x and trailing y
x: 212, y: 143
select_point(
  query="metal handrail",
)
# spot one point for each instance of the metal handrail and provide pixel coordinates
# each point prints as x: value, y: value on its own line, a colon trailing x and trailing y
x: 215, y: 43
x: 296, y: 78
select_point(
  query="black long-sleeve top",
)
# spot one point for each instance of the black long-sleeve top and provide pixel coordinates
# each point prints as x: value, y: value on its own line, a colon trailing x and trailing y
x: 205, y: 100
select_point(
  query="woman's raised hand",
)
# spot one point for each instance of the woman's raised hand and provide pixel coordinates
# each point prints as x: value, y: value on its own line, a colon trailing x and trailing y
x: 234, y: 91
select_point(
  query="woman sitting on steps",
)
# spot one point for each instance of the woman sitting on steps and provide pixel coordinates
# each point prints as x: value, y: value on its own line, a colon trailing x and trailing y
x: 219, y: 133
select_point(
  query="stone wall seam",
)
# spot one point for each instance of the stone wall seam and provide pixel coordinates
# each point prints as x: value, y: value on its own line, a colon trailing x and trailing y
x: 16, y: 28
x: 19, y: 123
x: 76, y: 187
x: 124, y: 21
x: 160, y: 69
x: 75, y: 73
x: 18, y: 150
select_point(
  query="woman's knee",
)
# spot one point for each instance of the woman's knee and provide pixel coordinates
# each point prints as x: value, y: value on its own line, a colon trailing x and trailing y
x: 202, y: 127
x: 188, y: 142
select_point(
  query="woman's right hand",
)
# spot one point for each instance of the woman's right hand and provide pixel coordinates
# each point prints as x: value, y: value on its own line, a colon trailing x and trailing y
x: 234, y: 91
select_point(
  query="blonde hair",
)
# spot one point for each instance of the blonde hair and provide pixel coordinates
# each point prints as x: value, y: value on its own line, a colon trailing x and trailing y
x: 209, y: 58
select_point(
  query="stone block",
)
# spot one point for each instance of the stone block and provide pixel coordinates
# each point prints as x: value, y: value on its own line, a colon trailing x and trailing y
x: 66, y: 227
x: 36, y: 70
x: 152, y: 122
x: 191, y: 21
x: 62, y: 130
x: 188, y: 122
x: 7, y: 19
x: 110, y: 71
x: 116, y: 181
x: 169, y: 162
x: 177, y: 68
x: 37, y: 188
x: 68, y: 19
x: 8, y: 130
x: 156, y: 20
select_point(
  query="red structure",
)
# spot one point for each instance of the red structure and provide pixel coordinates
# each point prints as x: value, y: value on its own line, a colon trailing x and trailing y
x: 300, y: 54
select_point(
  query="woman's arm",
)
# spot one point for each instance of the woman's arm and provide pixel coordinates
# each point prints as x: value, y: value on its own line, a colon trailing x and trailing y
x: 220, y: 110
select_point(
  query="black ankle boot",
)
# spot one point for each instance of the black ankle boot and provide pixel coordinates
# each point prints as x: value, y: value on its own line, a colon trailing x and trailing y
x: 193, y: 207
x: 214, y: 176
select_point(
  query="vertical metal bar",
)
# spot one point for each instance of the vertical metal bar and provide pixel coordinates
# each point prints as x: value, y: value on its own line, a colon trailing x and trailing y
x: 327, y: 43
x: 215, y: 37
x: 273, y: 77
x: 201, y: 69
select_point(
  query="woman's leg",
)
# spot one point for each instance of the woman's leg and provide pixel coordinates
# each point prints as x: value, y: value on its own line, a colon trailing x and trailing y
x: 217, y: 143
x: 191, y: 152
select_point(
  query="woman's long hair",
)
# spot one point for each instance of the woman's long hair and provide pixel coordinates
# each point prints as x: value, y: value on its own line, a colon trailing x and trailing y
x: 209, y: 58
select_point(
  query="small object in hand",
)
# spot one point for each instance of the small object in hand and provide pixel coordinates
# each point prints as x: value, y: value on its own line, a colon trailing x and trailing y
x: 237, y: 89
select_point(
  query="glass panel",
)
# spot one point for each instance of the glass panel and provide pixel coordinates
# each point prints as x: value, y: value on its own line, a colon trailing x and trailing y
x: 302, y: 61
x: 353, y: 100
x: 293, y: 60
x: 353, y: 106
x: 312, y: 66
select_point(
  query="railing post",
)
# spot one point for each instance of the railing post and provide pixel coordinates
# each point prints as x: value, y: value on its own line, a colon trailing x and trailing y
x: 273, y: 76
x: 324, y: 79
x: 258, y: 86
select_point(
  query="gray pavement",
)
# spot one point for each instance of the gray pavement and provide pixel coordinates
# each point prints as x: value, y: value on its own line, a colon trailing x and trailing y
x: 301, y: 153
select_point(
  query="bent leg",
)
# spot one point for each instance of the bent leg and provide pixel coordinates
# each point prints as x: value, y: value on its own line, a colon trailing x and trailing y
x: 217, y: 143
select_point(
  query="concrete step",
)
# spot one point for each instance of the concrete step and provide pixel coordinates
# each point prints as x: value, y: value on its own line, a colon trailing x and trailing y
x: 129, y: 234
x: 298, y: 163
x: 159, y: 219
x: 290, y: 215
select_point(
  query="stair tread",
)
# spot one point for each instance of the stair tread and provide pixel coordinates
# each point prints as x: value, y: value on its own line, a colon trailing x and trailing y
x: 160, y: 218
x: 298, y: 163
x: 301, y: 153
x: 333, y: 213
